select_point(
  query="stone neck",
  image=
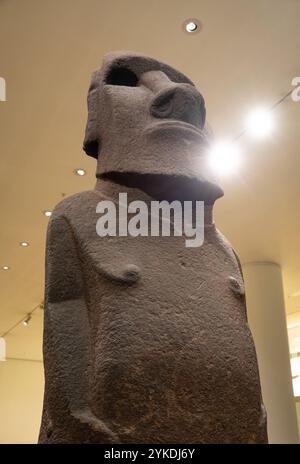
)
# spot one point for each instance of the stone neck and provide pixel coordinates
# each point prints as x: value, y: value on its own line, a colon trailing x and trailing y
x: 111, y: 190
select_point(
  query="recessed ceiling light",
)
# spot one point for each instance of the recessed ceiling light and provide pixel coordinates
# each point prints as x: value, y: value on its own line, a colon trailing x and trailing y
x: 2, y: 349
x: 224, y: 158
x: 27, y: 320
x: 260, y: 122
x: 5, y: 268
x: 80, y: 172
x: 191, y: 26
x: 47, y: 213
x: 24, y: 244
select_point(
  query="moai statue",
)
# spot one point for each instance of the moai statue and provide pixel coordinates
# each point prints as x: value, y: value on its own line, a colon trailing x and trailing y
x: 146, y: 340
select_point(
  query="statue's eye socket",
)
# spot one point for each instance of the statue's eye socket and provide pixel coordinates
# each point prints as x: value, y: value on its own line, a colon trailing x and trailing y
x: 122, y: 76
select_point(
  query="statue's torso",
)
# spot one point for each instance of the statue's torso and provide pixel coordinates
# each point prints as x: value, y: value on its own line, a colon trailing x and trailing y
x: 173, y: 357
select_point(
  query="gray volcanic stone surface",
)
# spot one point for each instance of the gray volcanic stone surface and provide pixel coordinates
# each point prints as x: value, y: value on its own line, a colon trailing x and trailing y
x: 146, y: 340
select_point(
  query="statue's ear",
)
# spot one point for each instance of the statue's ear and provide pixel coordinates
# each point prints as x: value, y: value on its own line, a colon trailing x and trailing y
x: 91, y: 144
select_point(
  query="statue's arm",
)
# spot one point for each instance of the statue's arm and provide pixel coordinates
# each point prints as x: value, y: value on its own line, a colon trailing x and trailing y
x: 66, y: 335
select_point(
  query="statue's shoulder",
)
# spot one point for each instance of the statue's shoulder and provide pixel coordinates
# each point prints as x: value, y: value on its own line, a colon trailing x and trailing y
x: 222, y: 240
x: 227, y: 248
x: 77, y: 205
x: 76, y: 213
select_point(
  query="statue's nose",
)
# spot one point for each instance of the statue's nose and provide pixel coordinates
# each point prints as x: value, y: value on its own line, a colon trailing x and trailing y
x: 180, y: 102
x: 172, y: 100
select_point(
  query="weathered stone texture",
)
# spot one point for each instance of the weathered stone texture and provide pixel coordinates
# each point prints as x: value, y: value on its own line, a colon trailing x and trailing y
x: 146, y: 340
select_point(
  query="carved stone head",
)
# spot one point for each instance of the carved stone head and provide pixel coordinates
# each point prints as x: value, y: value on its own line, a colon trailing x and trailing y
x: 144, y: 117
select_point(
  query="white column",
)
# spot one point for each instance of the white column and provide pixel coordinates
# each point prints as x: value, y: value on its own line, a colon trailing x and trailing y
x: 266, y: 316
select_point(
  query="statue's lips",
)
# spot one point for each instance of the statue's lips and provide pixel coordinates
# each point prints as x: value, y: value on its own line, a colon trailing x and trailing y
x: 176, y: 126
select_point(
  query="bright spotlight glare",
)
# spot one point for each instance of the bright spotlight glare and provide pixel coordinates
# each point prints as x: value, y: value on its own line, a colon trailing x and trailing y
x: 260, y: 122
x: 224, y: 158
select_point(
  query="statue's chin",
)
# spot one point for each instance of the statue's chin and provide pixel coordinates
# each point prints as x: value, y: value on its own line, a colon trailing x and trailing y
x: 165, y: 149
